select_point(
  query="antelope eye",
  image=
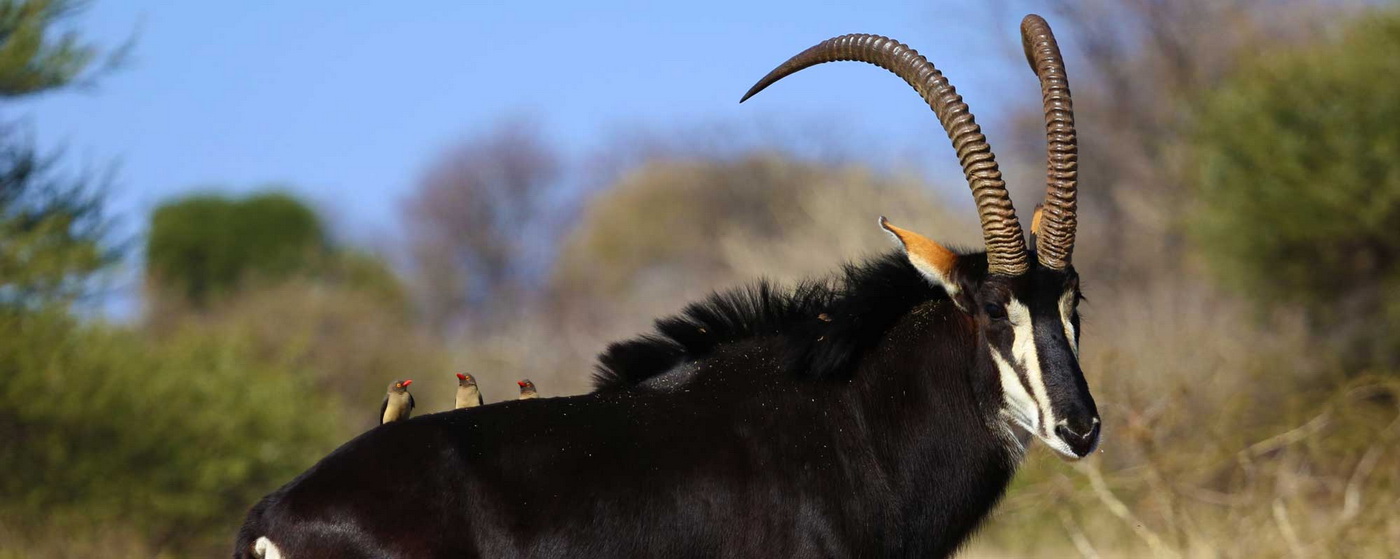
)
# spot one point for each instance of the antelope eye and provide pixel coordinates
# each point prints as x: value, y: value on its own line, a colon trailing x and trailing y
x: 995, y: 311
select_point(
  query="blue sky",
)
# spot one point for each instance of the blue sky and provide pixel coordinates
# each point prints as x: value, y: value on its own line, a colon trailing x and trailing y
x: 347, y: 103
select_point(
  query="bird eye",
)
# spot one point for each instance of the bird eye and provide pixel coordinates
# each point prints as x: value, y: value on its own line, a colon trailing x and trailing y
x: 995, y: 311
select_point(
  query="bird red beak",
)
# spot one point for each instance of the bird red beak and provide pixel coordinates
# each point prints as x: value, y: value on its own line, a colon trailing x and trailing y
x: 407, y: 382
x: 461, y: 376
x: 521, y: 383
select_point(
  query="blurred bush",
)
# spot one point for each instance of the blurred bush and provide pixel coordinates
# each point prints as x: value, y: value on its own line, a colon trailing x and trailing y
x: 345, y: 340
x: 676, y: 226
x: 46, y: 257
x: 1137, y: 70
x: 100, y: 426
x: 262, y: 270
x: 263, y: 347
x: 203, y: 247
x: 1299, y: 190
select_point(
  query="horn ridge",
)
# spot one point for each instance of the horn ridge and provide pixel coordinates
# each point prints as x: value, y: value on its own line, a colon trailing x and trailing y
x: 1001, y: 231
x: 1055, y: 239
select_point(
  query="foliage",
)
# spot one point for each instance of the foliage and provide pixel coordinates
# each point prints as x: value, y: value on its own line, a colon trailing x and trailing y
x: 369, y: 276
x: 31, y: 61
x: 203, y: 247
x: 1300, y: 180
x: 52, y: 227
x: 49, y: 251
x: 98, y: 424
x: 347, y: 339
x: 157, y: 438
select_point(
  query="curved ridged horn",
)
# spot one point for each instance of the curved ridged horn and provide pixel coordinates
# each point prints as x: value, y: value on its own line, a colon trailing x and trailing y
x: 1054, y: 241
x: 1006, y: 248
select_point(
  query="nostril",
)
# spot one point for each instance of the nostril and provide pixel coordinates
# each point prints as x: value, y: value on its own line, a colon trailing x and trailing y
x: 1081, y: 433
x: 1093, y: 431
x: 1064, y: 433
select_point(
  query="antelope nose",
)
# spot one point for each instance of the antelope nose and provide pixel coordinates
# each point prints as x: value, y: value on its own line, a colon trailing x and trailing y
x: 1081, y: 436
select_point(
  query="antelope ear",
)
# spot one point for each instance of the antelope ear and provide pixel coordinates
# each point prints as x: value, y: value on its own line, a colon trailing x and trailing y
x: 1035, y: 224
x: 1035, y: 219
x: 933, y: 260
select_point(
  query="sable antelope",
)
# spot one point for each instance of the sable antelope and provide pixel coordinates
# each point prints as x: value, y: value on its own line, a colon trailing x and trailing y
x: 527, y: 390
x: 398, y: 403
x: 468, y: 395
x: 876, y: 415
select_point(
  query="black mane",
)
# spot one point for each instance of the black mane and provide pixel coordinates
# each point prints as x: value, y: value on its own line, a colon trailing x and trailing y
x: 819, y: 329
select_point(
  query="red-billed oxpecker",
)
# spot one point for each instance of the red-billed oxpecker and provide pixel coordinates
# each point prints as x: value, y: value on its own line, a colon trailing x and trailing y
x: 880, y: 413
x: 398, y: 403
x: 468, y: 395
x: 527, y: 390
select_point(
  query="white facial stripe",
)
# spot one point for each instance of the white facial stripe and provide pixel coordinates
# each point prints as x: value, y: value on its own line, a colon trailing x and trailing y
x: 1020, y: 407
x: 1026, y: 399
x: 1067, y: 309
x: 1023, y: 351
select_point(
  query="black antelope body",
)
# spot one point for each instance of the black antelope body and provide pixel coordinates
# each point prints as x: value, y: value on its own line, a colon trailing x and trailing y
x: 875, y: 416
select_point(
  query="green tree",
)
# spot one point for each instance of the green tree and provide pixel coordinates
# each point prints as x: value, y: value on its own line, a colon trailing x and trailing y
x: 31, y: 59
x: 52, y: 226
x: 205, y: 246
x: 1299, y: 191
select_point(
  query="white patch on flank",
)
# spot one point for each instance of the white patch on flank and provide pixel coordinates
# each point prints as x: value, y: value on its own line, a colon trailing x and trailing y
x: 266, y: 549
x: 1066, y: 310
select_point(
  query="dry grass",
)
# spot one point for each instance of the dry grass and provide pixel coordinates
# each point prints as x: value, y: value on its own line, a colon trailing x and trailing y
x: 75, y: 539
